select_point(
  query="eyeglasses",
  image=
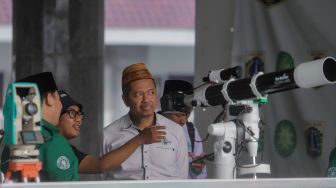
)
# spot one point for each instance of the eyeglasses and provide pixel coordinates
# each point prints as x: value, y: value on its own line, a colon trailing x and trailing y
x: 74, y: 114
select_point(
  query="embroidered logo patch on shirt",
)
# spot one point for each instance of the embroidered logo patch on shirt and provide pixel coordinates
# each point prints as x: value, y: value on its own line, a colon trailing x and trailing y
x: 63, y: 163
x: 165, y: 141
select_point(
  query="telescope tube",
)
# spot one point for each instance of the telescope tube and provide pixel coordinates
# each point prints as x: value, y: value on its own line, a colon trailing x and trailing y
x: 306, y: 75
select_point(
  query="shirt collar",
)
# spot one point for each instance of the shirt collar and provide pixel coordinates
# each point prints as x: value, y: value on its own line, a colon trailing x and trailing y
x: 129, y: 124
x: 49, y: 126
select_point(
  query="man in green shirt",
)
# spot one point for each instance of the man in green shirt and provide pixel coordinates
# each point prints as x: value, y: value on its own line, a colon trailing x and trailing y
x: 59, y: 163
x: 331, y: 170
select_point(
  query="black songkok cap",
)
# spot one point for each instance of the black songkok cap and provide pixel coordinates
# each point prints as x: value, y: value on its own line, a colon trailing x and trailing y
x: 180, y: 86
x: 44, y: 81
x: 67, y: 101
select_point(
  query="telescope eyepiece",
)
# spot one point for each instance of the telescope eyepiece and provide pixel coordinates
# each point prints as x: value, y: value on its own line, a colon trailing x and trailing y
x: 223, y: 74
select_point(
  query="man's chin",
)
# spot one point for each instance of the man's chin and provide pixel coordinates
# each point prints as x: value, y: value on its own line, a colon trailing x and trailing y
x: 142, y: 114
x: 74, y: 134
x: 147, y: 114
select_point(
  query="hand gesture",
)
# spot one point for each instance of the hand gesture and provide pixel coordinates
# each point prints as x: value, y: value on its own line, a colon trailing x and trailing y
x: 152, y: 134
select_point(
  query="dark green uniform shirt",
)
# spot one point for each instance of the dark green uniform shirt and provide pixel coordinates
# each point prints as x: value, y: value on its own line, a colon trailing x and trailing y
x: 58, y: 160
x: 331, y: 171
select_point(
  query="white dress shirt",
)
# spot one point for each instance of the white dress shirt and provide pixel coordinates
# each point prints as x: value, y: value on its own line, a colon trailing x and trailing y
x: 167, y: 159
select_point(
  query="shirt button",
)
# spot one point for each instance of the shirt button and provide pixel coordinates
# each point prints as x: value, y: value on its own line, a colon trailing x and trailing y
x: 145, y: 151
x: 146, y: 166
x: 147, y: 177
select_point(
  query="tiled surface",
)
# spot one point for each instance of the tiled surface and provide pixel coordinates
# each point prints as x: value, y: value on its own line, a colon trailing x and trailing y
x: 134, y: 13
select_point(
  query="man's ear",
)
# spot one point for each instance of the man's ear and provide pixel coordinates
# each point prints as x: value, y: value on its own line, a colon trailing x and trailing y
x: 50, y: 99
x: 125, y: 100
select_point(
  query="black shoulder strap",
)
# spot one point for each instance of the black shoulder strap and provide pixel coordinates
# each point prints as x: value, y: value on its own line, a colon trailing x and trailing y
x: 191, y: 132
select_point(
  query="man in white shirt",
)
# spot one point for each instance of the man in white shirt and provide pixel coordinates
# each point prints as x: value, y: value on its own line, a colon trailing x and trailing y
x: 167, y: 158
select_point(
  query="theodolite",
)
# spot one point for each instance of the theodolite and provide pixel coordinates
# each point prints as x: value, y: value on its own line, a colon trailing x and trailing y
x: 22, y: 120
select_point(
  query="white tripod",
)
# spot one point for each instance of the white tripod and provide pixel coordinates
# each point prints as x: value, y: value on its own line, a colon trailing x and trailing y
x: 231, y: 133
